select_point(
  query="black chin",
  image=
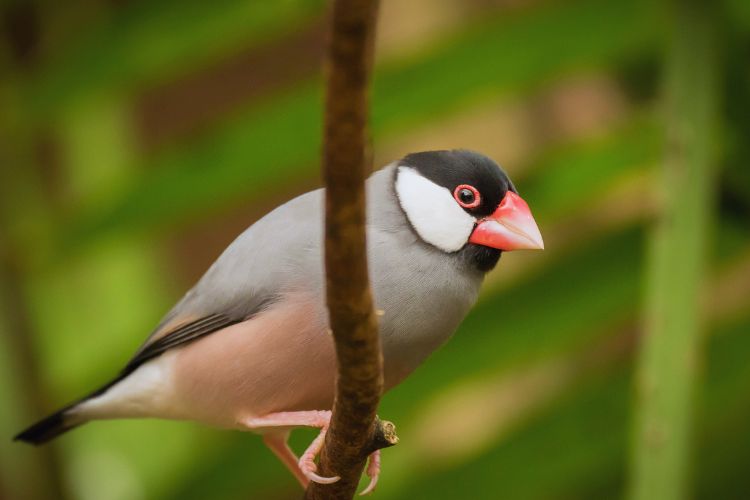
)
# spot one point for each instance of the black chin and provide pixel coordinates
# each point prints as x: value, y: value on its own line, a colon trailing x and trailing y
x: 480, y: 257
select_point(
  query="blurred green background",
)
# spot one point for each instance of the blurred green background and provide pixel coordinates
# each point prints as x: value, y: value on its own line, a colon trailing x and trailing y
x: 137, y: 138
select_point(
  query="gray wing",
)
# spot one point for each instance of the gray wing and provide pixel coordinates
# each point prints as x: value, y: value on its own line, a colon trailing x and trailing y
x: 282, y: 252
x: 278, y: 253
x: 178, y: 336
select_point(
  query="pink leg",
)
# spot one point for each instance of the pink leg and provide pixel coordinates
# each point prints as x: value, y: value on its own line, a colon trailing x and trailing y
x: 276, y: 442
x: 373, y: 472
x: 306, y: 465
x: 290, y: 419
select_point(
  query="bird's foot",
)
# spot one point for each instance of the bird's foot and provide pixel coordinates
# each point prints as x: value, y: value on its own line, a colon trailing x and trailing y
x: 373, y: 472
x: 307, y: 461
x: 279, y: 424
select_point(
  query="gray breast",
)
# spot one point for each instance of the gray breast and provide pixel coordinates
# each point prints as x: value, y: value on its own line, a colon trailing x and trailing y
x: 424, y: 293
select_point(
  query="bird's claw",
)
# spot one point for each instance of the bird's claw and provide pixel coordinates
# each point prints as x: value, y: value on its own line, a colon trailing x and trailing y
x: 315, y: 478
x: 307, y: 461
x: 309, y: 471
x: 373, y: 472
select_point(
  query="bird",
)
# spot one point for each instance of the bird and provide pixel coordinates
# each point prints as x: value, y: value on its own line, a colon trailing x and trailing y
x: 248, y: 347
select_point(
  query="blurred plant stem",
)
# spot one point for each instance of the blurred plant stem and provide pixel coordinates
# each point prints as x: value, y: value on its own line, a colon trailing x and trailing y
x: 47, y: 481
x: 23, y: 219
x: 17, y: 189
x: 670, y: 357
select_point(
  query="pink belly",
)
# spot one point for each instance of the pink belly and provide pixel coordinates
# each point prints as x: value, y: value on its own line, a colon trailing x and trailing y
x: 280, y: 360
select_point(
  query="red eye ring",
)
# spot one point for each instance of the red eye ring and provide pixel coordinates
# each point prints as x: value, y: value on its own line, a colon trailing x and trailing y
x: 465, y: 201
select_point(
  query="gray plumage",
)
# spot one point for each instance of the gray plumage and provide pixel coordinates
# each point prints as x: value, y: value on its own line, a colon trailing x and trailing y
x: 249, y: 341
x: 420, y: 289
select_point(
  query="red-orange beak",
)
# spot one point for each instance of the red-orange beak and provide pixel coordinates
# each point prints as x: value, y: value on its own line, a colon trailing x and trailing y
x: 510, y: 227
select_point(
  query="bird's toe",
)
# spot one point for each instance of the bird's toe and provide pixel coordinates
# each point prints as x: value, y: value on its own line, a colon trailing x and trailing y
x: 373, y: 472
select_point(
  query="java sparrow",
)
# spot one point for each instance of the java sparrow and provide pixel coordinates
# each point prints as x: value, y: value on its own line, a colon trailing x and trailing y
x: 248, y: 346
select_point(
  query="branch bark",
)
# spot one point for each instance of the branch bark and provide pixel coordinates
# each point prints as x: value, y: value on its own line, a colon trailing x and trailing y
x: 354, y: 431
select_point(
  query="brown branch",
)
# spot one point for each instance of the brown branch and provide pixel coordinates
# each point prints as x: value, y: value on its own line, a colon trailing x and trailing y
x: 354, y: 430
x: 382, y: 436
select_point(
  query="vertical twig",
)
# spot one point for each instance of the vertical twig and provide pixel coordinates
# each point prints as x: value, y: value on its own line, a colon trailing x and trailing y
x: 345, y: 167
x: 670, y: 355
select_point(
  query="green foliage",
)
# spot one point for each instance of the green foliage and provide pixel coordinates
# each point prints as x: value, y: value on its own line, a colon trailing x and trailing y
x: 108, y: 235
x: 149, y: 42
x: 284, y: 130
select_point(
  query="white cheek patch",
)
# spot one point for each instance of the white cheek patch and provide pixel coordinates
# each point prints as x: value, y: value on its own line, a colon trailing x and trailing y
x: 432, y: 211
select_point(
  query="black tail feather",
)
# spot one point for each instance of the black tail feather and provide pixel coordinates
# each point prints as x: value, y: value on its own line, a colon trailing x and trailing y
x: 61, y: 421
x: 48, y: 428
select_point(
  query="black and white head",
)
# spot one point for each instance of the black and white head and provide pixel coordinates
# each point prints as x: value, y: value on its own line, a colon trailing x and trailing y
x: 462, y: 202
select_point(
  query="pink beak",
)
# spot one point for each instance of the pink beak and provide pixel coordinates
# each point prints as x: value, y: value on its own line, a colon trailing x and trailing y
x: 510, y: 227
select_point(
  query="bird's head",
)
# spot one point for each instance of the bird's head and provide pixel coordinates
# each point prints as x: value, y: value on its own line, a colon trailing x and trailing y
x: 460, y: 201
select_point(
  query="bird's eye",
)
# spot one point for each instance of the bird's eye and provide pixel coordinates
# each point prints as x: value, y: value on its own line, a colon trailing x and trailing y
x: 467, y: 196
